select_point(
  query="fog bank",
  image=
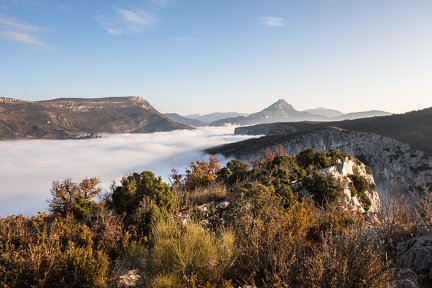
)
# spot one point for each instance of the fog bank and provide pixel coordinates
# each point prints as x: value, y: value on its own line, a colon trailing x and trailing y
x: 28, y: 167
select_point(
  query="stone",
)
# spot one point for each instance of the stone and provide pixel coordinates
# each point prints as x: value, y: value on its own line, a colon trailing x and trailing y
x: 416, y: 254
x: 405, y: 278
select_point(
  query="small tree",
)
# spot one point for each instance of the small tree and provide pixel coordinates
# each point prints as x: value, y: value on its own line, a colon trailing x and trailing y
x: 202, y: 173
x: 140, y: 197
x: 71, y: 197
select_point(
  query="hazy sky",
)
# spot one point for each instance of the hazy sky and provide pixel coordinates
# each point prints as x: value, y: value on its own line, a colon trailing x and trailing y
x: 202, y: 56
x: 28, y: 167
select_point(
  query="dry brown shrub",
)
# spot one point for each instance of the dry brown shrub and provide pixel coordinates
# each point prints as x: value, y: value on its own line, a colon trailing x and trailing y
x: 423, y: 206
x: 394, y: 222
x: 42, y: 252
x: 273, y: 242
x: 348, y: 260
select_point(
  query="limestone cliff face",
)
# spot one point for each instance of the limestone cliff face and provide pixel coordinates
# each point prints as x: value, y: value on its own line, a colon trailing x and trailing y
x: 341, y: 172
x: 396, y: 167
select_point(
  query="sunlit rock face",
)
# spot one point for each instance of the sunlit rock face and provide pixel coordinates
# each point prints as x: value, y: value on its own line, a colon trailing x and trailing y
x: 396, y: 168
x: 341, y: 172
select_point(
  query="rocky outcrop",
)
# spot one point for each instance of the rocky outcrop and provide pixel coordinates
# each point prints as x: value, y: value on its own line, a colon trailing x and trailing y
x: 416, y: 254
x: 396, y: 167
x: 70, y: 118
x: 341, y: 172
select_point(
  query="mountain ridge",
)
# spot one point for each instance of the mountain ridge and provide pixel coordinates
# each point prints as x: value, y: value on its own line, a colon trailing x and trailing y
x: 69, y: 118
x: 282, y: 111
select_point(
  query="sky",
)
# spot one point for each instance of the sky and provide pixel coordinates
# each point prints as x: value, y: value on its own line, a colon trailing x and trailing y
x: 28, y: 167
x: 204, y: 56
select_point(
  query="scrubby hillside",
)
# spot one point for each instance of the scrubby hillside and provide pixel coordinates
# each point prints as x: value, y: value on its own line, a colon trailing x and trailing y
x: 282, y: 221
x: 396, y: 167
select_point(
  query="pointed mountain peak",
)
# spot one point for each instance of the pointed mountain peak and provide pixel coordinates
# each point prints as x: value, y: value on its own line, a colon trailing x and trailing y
x: 280, y: 105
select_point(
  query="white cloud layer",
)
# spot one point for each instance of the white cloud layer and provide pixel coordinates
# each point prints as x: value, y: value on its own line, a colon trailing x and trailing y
x: 126, y: 21
x: 14, y: 30
x: 28, y: 167
x: 273, y: 21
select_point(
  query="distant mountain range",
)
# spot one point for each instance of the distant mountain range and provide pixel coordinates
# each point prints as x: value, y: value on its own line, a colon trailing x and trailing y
x: 185, y: 121
x: 80, y: 118
x: 281, y: 111
x: 209, y: 118
x: 67, y: 118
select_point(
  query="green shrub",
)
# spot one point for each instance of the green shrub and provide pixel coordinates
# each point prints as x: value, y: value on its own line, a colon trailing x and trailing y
x: 311, y: 160
x: 141, y: 198
x: 324, y: 189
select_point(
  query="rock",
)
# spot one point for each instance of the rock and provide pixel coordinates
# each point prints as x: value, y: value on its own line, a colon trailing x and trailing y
x: 395, y: 166
x: 416, y: 254
x: 405, y: 278
x: 341, y: 172
x: 129, y: 279
x: 223, y: 205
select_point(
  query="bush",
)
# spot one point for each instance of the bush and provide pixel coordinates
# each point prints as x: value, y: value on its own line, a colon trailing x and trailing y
x: 41, y: 252
x: 323, y: 189
x: 200, y: 195
x: 311, y: 160
x: 74, y: 198
x: 190, y: 254
x: 347, y: 260
x: 142, y: 197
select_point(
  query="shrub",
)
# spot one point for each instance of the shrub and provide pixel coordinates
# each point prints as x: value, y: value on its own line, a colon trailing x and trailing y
x: 311, y: 160
x: 190, y: 254
x: 394, y: 221
x: 202, y: 173
x: 41, y: 252
x: 324, y: 189
x: 71, y: 197
x: 142, y: 197
x: 336, y: 156
x: 272, y: 241
x: 201, y: 195
x: 347, y: 260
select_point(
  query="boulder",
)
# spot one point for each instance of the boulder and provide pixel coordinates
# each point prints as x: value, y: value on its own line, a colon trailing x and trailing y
x: 405, y: 278
x: 416, y: 254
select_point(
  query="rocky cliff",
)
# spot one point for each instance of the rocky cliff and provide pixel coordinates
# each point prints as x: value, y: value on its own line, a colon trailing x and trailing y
x: 76, y: 118
x: 342, y: 171
x: 396, y: 167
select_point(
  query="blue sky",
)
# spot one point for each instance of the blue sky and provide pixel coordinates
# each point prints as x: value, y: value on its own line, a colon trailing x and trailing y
x: 203, y: 56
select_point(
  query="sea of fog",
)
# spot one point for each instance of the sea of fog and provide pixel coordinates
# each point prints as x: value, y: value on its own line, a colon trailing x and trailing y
x: 28, y: 167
